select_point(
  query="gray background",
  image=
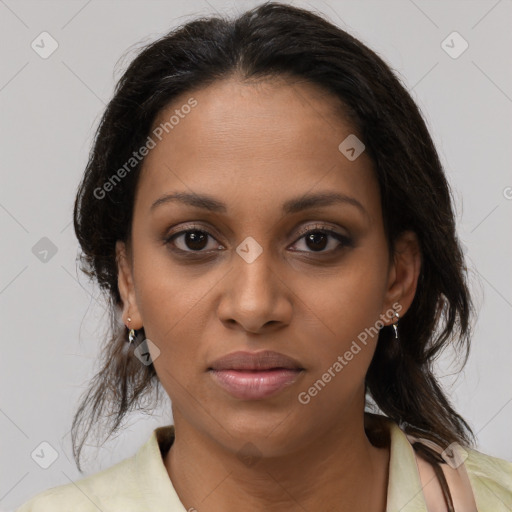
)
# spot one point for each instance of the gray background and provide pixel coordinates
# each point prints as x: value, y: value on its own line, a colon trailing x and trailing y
x: 52, y: 318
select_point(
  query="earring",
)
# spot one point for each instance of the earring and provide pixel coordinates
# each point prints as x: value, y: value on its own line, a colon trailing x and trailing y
x: 395, y: 325
x: 132, y: 334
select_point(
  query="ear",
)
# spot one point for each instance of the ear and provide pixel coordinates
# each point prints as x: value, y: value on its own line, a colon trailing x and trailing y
x: 404, y: 272
x: 126, y: 287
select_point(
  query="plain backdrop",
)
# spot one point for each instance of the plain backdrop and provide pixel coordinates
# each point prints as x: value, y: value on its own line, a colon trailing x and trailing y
x: 52, y: 318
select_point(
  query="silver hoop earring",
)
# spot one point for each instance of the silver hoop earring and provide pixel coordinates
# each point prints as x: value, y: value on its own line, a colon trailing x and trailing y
x: 395, y: 325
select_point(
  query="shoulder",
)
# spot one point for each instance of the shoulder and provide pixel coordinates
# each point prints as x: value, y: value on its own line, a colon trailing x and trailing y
x: 106, y: 490
x: 136, y: 484
x: 476, y: 481
x: 491, y: 479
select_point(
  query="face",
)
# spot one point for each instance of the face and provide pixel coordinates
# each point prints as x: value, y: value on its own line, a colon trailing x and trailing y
x: 286, y: 252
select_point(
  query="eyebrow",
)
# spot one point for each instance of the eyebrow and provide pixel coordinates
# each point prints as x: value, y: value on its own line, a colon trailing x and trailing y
x: 307, y: 201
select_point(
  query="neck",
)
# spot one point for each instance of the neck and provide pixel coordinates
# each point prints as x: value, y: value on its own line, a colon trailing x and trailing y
x: 339, y: 469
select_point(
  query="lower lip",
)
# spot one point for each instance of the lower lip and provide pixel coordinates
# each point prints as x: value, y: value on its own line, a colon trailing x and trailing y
x: 255, y: 385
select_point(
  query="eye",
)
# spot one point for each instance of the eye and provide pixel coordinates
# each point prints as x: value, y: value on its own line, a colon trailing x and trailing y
x: 315, y: 239
x: 318, y: 239
x: 193, y: 240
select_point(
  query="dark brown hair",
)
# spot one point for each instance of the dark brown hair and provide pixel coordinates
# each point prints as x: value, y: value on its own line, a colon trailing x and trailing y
x: 276, y: 40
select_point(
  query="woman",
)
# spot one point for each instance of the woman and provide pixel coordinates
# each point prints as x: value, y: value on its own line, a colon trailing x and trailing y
x: 267, y: 212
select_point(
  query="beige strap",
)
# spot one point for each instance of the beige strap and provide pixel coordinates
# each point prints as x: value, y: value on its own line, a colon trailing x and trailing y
x: 456, y: 478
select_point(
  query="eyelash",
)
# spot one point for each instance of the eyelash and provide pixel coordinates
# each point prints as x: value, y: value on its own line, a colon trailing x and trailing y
x: 344, y: 240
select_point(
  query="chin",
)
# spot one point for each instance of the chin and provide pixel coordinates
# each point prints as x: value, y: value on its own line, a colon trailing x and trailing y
x: 274, y: 433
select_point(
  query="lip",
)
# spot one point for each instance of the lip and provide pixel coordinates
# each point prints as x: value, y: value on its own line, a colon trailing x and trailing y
x: 255, y: 375
x: 263, y: 360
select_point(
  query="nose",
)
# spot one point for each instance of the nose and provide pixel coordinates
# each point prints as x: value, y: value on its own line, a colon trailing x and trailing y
x: 256, y: 297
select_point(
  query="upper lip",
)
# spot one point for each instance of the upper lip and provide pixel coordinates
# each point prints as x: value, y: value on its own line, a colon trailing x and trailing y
x: 263, y: 360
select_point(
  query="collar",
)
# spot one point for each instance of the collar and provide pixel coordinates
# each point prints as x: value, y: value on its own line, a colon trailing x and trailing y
x: 404, y: 485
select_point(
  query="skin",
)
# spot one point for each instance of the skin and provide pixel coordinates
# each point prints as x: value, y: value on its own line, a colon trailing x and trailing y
x: 253, y: 146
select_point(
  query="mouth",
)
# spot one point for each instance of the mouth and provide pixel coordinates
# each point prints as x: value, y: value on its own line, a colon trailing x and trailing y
x: 255, y: 376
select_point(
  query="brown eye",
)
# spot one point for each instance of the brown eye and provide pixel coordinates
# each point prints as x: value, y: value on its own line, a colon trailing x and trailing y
x: 192, y: 240
x: 318, y: 240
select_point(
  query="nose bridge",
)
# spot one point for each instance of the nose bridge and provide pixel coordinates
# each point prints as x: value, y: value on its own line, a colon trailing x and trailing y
x: 254, y: 295
x: 253, y: 271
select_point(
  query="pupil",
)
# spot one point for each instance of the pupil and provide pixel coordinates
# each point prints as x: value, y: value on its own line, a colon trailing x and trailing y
x: 195, y: 240
x: 317, y: 238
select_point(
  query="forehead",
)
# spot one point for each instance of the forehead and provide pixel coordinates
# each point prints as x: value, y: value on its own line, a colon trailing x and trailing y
x: 253, y: 141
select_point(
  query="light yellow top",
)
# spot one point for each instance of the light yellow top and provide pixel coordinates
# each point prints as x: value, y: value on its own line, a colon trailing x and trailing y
x: 141, y: 483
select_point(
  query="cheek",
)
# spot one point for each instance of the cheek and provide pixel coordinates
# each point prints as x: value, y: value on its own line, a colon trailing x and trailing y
x: 173, y: 318
x: 174, y: 306
x: 350, y: 308
x: 166, y: 293
x: 356, y: 294
x: 172, y: 310
x: 342, y: 354
x: 158, y: 295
